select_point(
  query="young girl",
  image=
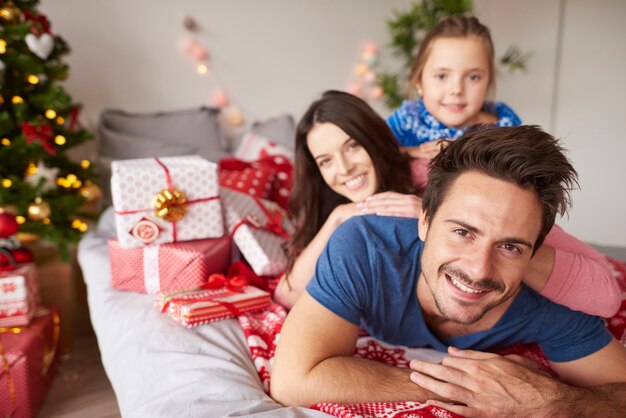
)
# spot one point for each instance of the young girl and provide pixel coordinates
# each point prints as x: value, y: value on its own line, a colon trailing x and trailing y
x: 453, y: 74
x: 348, y: 164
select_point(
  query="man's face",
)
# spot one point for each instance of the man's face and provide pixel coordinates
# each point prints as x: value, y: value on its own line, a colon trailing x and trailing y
x: 477, y: 246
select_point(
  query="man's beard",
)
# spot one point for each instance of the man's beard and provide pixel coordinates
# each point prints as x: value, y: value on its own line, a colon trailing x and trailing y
x: 487, y: 284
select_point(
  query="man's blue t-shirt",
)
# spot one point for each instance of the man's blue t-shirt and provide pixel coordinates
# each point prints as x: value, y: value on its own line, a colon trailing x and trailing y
x: 368, y: 274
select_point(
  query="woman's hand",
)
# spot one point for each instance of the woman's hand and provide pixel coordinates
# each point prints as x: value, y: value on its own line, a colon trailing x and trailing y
x: 426, y: 150
x: 391, y: 204
x: 344, y: 212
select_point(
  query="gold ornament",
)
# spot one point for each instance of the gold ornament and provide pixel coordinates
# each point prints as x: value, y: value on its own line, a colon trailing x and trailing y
x: 91, y: 192
x: 10, y: 14
x: 27, y: 237
x: 38, y: 210
x: 171, y: 206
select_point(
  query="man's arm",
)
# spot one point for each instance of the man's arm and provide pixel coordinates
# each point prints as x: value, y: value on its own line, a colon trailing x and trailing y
x: 314, y: 363
x: 491, y: 385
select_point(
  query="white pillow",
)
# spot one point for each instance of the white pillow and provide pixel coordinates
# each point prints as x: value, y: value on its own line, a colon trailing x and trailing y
x: 254, y: 146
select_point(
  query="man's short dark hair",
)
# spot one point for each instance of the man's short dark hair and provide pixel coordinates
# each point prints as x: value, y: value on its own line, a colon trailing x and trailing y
x: 524, y: 155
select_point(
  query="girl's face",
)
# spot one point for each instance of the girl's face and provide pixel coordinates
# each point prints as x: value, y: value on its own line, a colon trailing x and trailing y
x: 455, y: 80
x: 344, y: 164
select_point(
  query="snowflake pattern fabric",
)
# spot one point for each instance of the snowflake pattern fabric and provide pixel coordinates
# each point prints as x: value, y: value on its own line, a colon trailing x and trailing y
x: 262, y: 331
x: 412, y: 123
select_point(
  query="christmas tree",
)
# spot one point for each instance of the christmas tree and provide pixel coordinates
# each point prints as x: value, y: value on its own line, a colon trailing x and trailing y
x: 41, y: 188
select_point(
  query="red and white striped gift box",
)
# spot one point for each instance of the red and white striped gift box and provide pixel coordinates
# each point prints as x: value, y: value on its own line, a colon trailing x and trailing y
x: 198, y: 307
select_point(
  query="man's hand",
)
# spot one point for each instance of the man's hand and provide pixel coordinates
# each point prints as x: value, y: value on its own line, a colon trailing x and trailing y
x: 488, y: 385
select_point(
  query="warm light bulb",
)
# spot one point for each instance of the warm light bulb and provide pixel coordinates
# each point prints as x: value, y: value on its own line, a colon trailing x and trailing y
x: 32, y: 79
x: 46, y: 221
x: 60, y: 120
x: 85, y: 164
x: 51, y: 114
x: 59, y: 140
x: 6, y: 183
x: 77, y: 184
x: 31, y: 169
x: 17, y: 100
x: 83, y: 227
x: 76, y: 223
x: 20, y: 219
x: 71, y: 178
x: 6, y: 142
x: 202, y: 69
x: 3, y: 46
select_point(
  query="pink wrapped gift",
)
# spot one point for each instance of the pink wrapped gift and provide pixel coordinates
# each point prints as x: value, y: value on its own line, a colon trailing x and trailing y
x: 201, y: 306
x: 259, y: 228
x: 163, y: 200
x: 19, y: 295
x: 168, y: 267
x: 28, y: 357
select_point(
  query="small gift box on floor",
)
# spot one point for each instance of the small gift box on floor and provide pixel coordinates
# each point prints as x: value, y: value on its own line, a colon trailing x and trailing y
x: 19, y: 294
x: 168, y: 267
x: 228, y: 298
x: 163, y: 200
x: 259, y: 228
x: 27, y: 355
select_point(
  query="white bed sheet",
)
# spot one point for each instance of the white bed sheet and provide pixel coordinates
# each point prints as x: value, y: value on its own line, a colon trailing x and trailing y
x: 157, y: 367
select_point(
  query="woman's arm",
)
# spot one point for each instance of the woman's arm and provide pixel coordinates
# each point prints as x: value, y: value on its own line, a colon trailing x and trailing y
x: 289, y: 288
x: 382, y: 204
x: 571, y: 273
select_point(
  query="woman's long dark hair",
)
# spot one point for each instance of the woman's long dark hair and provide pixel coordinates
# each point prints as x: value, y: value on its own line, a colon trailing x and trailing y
x: 312, y: 200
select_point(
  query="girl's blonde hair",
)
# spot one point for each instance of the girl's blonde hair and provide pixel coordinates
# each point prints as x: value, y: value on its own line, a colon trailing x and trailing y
x: 452, y: 27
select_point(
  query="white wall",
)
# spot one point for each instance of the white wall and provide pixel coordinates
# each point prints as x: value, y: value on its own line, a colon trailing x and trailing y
x: 275, y: 56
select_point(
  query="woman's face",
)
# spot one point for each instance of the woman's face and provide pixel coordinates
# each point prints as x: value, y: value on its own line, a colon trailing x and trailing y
x: 344, y: 164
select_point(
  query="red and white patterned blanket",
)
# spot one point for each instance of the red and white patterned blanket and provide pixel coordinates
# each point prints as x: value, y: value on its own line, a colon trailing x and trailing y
x: 263, y: 328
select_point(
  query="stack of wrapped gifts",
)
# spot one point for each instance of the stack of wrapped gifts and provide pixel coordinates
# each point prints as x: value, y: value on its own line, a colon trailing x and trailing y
x: 176, y: 228
x: 29, y: 333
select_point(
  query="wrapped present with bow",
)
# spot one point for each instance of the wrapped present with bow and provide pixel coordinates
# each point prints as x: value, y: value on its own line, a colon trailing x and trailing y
x: 220, y: 297
x: 164, y: 200
x: 259, y: 228
x: 168, y: 267
x: 28, y: 357
x: 19, y: 290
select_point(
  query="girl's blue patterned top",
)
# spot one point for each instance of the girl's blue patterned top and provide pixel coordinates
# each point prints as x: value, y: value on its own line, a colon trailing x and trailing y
x: 412, y: 123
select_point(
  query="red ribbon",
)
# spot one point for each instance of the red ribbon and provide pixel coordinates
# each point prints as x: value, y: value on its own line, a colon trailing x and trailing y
x: 273, y: 224
x: 40, y: 20
x: 218, y: 280
x: 42, y: 134
x: 170, y: 186
x: 215, y: 281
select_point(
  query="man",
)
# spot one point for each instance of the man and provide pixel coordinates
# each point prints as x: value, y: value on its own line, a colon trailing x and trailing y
x: 452, y: 282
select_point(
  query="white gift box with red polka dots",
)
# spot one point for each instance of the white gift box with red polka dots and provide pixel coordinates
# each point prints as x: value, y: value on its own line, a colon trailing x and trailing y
x: 259, y: 228
x: 19, y: 295
x: 136, y: 183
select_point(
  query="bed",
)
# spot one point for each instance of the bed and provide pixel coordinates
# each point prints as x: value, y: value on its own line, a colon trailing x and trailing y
x: 159, y: 368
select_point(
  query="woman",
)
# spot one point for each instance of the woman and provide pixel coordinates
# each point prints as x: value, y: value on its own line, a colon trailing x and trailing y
x: 347, y: 163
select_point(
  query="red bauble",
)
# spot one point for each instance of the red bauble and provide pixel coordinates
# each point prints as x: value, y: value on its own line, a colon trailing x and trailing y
x: 22, y: 255
x: 8, y: 225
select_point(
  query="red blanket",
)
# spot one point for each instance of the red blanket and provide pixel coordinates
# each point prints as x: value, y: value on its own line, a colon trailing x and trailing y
x: 262, y: 330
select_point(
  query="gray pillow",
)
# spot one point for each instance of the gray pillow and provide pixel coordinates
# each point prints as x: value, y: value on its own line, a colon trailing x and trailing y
x: 126, y: 135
